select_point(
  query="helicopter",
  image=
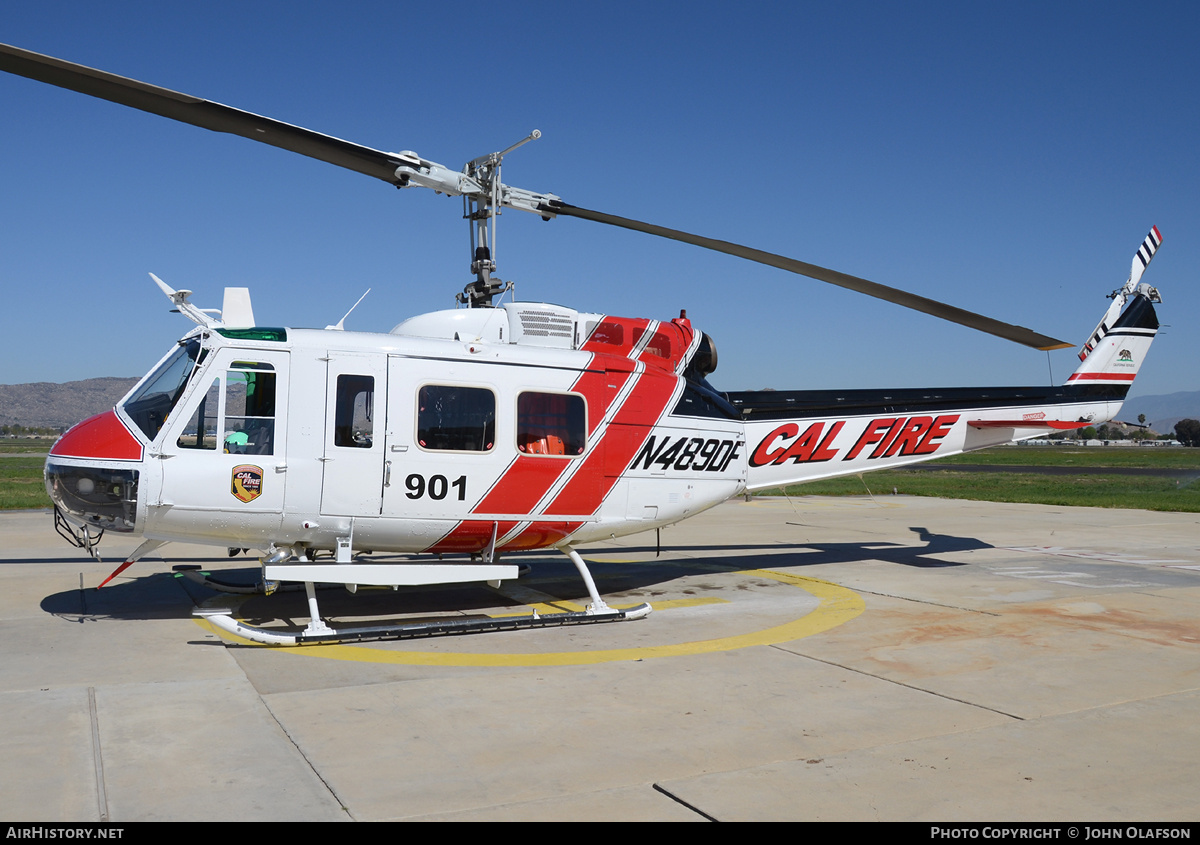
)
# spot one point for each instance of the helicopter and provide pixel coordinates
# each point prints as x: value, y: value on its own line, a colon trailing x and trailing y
x: 494, y: 427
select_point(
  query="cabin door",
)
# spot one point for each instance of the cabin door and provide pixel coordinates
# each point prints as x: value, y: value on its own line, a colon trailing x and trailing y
x: 223, y: 448
x: 355, y: 421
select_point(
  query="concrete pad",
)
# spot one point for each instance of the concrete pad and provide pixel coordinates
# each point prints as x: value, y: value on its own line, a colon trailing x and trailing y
x: 506, y: 738
x: 1023, y: 662
x: 48, y: 767
x: 1130, y: 762
x: 141, y: 631
x: 644, y: 803
x: 199, y: 750
x: 995, y: 644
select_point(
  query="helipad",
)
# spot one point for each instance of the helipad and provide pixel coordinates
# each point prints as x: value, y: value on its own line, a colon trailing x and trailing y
x: 843, y: 659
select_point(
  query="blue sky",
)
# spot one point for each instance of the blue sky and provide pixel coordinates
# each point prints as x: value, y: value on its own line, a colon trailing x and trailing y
x: 1006, y: 158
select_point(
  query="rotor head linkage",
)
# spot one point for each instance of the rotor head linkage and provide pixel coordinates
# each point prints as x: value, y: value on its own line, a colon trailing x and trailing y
x: 483, y: 197
x: 482, y: 209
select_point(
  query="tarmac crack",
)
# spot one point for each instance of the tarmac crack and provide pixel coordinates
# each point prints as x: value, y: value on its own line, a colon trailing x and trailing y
x: 681, y: 802
x: 316, y: 773
x: 914, y: 687
x: 926, y: 601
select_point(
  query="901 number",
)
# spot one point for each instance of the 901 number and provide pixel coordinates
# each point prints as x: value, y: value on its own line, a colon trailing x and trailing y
x: 437, y: 487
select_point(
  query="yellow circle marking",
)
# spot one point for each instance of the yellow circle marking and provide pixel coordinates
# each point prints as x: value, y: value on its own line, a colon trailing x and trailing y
x: 837, y: 606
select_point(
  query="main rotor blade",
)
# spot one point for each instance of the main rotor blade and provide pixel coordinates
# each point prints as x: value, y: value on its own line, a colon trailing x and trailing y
x: 1018, y: 334
x: 382, y: 165
x: 198, y: 112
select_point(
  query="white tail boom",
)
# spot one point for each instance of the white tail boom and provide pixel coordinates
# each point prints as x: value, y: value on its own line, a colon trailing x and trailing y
x: 799, y: 436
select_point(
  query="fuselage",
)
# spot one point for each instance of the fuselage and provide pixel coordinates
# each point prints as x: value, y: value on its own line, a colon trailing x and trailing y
x: 522, y: 427
x: 409, y: 443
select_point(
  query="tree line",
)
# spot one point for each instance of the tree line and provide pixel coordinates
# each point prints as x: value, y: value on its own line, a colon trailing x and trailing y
x: 1187, y: 432
x: 29, y: 431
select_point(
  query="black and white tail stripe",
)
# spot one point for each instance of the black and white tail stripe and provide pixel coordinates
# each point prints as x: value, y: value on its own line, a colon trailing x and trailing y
x: 1150, y: 246
x: 1145, y: 252
x: 1091, y: 344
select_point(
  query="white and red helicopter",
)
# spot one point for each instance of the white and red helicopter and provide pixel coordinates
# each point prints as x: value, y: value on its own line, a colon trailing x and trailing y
x: 492, y: 428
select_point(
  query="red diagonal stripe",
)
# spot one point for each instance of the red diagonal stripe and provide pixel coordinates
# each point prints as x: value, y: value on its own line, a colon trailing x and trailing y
x: 1102, y: 377
x: 624, y: 436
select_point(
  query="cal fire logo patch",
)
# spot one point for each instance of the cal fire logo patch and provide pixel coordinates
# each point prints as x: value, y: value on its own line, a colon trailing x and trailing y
x: 247, y: 482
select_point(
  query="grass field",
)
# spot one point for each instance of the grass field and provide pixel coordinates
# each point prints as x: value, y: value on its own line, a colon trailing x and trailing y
x: 26, y: 445
x: 21, y: 478
x: 21, y: 482
x: 21, y: 463
x: 1091, y: 487
x: 1150, y: 457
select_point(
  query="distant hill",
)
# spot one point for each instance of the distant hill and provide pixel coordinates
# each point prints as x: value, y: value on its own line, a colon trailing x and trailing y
x: 1164, y: 410
x: 46, y: 404
x: 63, y: 405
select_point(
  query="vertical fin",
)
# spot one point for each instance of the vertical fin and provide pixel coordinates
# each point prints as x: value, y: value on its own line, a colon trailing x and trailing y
x: 1141, y: 260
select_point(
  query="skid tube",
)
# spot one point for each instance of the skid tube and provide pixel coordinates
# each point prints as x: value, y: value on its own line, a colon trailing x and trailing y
x: 223, y: 619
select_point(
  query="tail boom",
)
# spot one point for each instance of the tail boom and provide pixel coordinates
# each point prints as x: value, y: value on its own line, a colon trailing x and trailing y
x: 799, y: 436
x: 902, y: 427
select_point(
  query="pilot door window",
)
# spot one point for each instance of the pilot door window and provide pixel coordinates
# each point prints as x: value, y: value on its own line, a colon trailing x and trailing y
x: 202, y: 429
x: 237, y: 412
x: 456, y: 419
x: 551, y: 424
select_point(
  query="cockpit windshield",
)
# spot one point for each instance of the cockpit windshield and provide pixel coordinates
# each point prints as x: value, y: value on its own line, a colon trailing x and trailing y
x: 150, y: 404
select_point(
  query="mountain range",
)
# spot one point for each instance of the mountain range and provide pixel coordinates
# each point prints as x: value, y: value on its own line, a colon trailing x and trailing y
x: 47, y: 404
x: 1164, y: 410
x: 50, y: 405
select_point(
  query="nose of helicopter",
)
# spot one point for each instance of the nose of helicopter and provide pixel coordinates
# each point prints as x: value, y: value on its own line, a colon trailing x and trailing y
x: 90, y: 473
x: 102, y: 437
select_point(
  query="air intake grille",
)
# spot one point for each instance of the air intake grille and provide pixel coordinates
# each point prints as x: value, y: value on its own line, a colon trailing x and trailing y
x: 547, y: 324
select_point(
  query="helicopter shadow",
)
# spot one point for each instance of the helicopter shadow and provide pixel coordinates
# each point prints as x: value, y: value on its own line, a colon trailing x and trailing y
x: 813, y: 554
x: 169, y: 595
x: 157, y: 595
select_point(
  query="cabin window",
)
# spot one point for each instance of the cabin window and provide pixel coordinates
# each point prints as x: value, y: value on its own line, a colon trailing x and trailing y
x: 201, y: 430
x: 354, y: 416
x: 659, y: 344
x: 457, y: 419
x: 608, y: 332
x: 249, y: 409
x: 551, y: 424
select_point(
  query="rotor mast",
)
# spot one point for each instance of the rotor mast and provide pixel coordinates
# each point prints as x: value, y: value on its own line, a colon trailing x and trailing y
x: 483, y: 197
x: 482, y: 210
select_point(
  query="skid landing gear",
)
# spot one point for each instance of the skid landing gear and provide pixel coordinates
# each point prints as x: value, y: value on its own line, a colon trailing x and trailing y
x: 221, y: 619
x: 318, y: 632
